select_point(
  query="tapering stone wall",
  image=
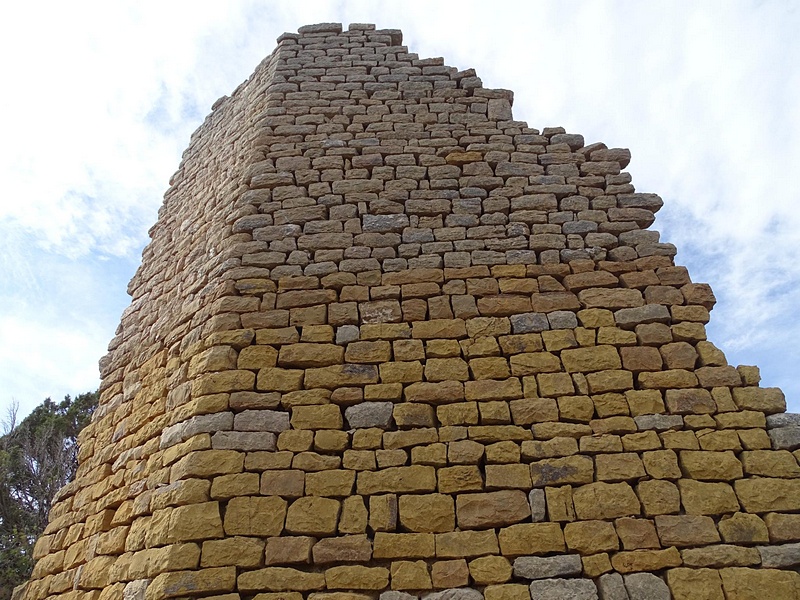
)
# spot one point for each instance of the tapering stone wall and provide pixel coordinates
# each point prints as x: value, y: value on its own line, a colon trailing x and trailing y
x: 387, y: 341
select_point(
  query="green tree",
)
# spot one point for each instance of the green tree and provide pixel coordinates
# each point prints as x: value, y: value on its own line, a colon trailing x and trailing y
x: 38, y: 456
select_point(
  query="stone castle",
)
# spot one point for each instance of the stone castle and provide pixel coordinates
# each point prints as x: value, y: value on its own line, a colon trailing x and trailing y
x: 388, y: 342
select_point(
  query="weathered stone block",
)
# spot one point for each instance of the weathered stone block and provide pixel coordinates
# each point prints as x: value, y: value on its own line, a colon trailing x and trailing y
x: 261, y: 420
x: 754, y: 584
x: 710, y: 466
x: 537, y: 567
x: 383, y: 512
x: 410, y: 575
x: 646, y: 560
x: 782, y: 528
x: 700, y: 498
x: 304, y: 355
x: 369, y: 414
x: 322, y: 416
x: 591, y: 537
x: 619, y: 467
x: 695, y: 584
x: 605, y: 501
x: 569, y: 589
x: 466, y: 544
x: 403, y: 545
x: 279, y: 579
x: 531, y: 539
x: 637, y: 534
x: 428, y: 513
x: 510, y: 591
x: 349, y: 548
x: 287, y: 550
x: 489, y: 570
x: 686, y: 530
x: 573, y: 470
x: 313, y: 516
x: 330, y: 483
x: 766, y: 400
x: 255, y: 516
x: 646, y: 586
x: 587, y: 360
x: 492, y: 509
x: 180, y: 583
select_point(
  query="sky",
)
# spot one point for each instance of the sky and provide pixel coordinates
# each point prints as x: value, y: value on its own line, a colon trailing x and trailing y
x: 99, y: 100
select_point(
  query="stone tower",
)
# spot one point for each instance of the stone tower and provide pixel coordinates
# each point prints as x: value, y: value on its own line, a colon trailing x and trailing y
x: 388, y: 341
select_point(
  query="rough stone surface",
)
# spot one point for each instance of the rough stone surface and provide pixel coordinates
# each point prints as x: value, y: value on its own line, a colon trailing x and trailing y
x: 386, y: 341
x: 536, y: 567
x: 563, y: 589
x: 612, y: 587
x: 646, y: 586
x: 369, y: 414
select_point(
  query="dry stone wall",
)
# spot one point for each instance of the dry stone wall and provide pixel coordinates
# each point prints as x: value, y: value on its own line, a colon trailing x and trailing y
x: 389, y: 342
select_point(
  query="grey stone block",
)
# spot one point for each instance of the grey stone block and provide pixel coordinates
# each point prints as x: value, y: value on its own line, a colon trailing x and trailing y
x: 395, y: 595
x: 521, y: 257
x: 651, y: 202
x: 628, y: 318
x: 455, y: 594
x: 369, y: 414
x: 579, y: 227
x: 347, y: 333
x: 562, y: 319
x: 783, y: 420
x: 611, y: 587
x: 529, y: 323
x: 247, y: 441
x: 656, y: 250
x: 135, y: 590
x: 261, y: 420
x: 563, y: 589
x: 384, y: 223
x: 199, y: 424
x: 785, y: 438
x: 538, y: 504
x: 638, y: 236
x: 538, y: 567
x: 779, y: 557
x: 658, y: 422
x: 646, y: 586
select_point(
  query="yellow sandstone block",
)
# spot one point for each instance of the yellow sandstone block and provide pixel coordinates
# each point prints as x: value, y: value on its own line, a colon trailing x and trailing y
x: 223, y: 381
x: 401, y: 371
x: 591, y: 537
x: 313, y: 515
x: 403, y: 545
x: 356, y: 577
x: 195, y: 522
x: 427, y: 513
x: 207, y: 463
x: 488, y: 570
x: 330, y: 483
x: 232, y: 551
x: 274, y: 379
x: 280, y: 579
x: 605, y: 501
x: 320, y: 416
x: 531, y: 539
x: 412, y: 479
x: 410, y: 575
x: 182, y: 583
x: 465, y: 544
x: 508, y: 591
x: 255, y: 516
